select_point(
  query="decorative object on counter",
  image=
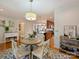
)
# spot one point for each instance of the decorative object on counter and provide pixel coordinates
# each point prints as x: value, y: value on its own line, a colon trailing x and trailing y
x: 78, y: 38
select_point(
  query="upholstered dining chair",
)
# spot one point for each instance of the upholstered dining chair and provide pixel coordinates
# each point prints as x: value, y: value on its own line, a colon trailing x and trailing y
x: 41, y: 51
x: 19, y: 51
x: 40, y: 37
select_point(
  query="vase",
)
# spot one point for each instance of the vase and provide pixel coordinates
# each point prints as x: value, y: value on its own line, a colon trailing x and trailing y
x: 6, y: 29
x: 31, y: 38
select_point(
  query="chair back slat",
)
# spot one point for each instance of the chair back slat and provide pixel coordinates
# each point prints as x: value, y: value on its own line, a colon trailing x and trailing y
x: 14, y: 47
x: 45, y: 47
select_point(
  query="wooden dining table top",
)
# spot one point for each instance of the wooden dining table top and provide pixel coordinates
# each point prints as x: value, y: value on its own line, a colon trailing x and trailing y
x: 30, y: 41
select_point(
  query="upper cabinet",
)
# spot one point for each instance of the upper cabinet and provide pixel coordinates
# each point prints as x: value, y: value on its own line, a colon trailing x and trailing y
x: 50, y: 24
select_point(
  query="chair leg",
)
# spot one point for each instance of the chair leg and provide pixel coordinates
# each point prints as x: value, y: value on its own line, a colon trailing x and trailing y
x: 29, y: 56
x: 41, y: 58
x: 32, y: 56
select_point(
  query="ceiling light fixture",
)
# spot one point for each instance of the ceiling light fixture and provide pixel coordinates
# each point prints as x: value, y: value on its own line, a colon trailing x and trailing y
x: 30, y: 15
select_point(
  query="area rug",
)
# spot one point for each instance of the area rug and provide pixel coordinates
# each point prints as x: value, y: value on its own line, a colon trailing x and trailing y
x: 58, y: 55
x: 8, y: 54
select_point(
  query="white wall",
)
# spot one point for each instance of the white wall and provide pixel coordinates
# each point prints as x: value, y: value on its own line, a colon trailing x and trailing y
x: 65, y: 16
x: 28, y: 25
x: 12, y: 29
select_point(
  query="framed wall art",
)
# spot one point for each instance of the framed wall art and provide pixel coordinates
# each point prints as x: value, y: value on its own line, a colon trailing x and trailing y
x: 40, y: 28
x: 70, y: 30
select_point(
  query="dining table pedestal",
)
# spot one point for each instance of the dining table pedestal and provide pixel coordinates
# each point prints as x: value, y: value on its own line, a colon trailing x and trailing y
x: 31, y: 43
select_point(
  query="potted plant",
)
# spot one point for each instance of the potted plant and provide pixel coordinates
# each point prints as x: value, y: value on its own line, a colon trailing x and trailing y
x: 7, y: 25
x: 77, y: 38
x: 32, y: 36
x: 6, y: 29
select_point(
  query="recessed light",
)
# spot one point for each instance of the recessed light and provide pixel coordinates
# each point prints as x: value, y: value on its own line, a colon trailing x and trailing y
x: 1, y: 9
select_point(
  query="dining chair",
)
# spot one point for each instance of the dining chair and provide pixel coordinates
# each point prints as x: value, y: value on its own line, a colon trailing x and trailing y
x: 41, y: 51
x: 19, y: 51
x: 40, y: 37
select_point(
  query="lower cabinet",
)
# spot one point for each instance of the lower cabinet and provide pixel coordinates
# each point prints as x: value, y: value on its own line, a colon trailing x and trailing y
x: 70, y: 46
x: 49, y: 35
x: 5, y: 45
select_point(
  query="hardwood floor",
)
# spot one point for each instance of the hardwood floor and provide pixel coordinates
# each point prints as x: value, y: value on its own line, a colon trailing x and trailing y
x: 4, y: 46
x: 55, y: 50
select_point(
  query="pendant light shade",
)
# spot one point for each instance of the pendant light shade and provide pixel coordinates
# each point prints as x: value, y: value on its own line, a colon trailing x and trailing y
x: 30, y: 15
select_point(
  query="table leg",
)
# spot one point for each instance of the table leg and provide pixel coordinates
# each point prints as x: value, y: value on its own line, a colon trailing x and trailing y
x: 31, y: 49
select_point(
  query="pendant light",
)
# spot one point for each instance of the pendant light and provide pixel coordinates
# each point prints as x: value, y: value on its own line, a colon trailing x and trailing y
x: 31, y: 16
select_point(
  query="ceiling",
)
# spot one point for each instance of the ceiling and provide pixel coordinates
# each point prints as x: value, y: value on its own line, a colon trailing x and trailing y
x: 18, y: 8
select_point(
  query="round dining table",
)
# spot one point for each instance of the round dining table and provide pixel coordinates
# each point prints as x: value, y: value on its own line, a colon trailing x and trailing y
x: 30, y: 42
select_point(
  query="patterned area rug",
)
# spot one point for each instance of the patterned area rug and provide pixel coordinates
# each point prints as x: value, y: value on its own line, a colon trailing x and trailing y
x: 8, y: 54
x: 52, y: 55
x: 58, y: 55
